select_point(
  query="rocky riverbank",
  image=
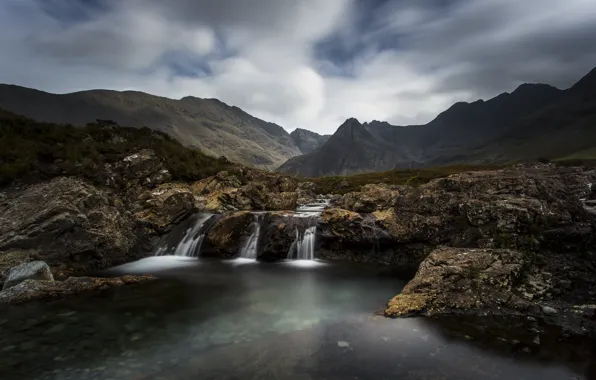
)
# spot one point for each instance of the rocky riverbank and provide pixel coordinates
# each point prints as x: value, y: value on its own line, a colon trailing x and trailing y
x: 514, y: 240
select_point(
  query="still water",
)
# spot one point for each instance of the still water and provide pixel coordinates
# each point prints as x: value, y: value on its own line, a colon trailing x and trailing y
x: 293, y: 320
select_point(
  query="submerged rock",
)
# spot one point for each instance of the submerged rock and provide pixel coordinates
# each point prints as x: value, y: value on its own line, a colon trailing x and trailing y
x: 32, y: 290
x: 34, y: 270
x: 549, y: 310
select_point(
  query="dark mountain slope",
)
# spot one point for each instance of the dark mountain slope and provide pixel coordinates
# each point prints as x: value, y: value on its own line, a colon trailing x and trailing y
x: 308, y: 141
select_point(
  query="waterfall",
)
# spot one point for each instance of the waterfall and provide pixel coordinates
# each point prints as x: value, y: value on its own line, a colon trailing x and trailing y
x: 303, y: 247
x: 250, y: 248
x: 186, y: 240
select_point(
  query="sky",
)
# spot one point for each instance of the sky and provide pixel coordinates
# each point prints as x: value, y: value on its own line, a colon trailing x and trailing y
x: 301, y: 63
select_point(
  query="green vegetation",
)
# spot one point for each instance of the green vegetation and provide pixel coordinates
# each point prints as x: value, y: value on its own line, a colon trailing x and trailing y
x: 412, y: 177
x: 31, y: 151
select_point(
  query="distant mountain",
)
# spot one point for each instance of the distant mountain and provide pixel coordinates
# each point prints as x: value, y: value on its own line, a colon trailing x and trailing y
x: 534, y: 121
x: 209, y: 124
x: 308, y: 141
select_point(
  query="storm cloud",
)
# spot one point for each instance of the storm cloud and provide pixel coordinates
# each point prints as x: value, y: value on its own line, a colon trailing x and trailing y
x: 308, y: 64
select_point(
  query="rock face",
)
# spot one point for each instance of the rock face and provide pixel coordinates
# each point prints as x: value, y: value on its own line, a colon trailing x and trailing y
x: 35, y: 270
x: 452, y: 279
x: 67, y: 223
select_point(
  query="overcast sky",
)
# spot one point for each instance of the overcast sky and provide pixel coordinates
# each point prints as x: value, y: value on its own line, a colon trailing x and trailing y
x: 300, y: 63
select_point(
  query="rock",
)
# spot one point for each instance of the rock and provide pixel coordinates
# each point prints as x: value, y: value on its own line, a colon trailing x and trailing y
x: 370, y: 198
x: 279, y: 234
x: 227, y: 235
x: 34, y: 270
x: 79, y: 226
x: 31, y: 290
x: 470, y: 280
x: 549, y: 310
x: 140, y: 165
x: 166, y: 205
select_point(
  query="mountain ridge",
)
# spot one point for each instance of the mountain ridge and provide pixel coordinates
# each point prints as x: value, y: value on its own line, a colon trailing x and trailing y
x: 483, y: 131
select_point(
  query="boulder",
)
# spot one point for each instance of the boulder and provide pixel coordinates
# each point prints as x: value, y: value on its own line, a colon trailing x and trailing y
x: 69, y: 223
x: 34, y: 270
x: 227, y: 235
x: 470, y: 280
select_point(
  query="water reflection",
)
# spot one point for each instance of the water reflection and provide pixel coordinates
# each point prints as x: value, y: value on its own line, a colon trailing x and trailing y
x: 213, y: 320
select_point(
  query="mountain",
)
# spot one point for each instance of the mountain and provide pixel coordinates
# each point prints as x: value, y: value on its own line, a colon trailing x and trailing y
x: 534, y: 121
x: 209, y: 124
x: 308, y: 141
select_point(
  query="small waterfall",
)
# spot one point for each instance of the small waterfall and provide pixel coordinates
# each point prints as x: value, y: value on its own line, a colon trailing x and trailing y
x: 250, y: 248
x: 187, y: 239
x: 303, y: 247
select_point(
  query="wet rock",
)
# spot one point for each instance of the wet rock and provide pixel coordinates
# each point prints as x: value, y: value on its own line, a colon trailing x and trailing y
x: 473, y: 280
x: 227, y: 235
x: 549, y: 310
x: 32, y: 290
x: 280, y: 231
x: 79, y: 226
x: 34, y: 270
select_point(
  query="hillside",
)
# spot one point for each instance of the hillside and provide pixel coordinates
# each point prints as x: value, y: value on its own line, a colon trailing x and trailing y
x: 534, y: 121
x: 208, y: 124
x: 32, y: 151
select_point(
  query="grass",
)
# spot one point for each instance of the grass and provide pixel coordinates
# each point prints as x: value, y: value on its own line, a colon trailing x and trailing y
x: 32, y: 151
x: 412, y: 177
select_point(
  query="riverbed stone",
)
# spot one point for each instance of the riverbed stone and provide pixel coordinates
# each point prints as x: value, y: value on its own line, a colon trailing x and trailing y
x: 34, y: 270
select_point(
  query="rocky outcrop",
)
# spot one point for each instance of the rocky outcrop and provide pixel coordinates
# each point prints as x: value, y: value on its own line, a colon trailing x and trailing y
x: 35, y: 270
x: 164, y: 206
x: 371, y: 198
x: 452, y: 279
x: 67, y: 223
x: 246, y: 189
x: 524, y: 208
x: 35, y: 290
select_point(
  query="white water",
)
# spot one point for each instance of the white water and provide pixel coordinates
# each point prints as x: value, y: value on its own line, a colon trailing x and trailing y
x: 303, y: 247
x: 190, y: 242
x: 250, y: 248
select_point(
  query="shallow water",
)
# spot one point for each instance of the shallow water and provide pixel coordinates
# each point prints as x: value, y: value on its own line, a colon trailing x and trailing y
x: 246, y: 320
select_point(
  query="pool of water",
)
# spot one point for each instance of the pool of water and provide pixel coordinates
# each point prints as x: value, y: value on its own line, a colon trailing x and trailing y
x: 245, y: 320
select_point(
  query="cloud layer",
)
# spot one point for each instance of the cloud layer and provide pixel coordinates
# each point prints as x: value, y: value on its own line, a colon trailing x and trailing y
x: 308, y: 64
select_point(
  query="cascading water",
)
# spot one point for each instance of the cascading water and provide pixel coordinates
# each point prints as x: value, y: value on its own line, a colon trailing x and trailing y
x: 187, y: 240
x: 250, y: 248
x: 303, y: 247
